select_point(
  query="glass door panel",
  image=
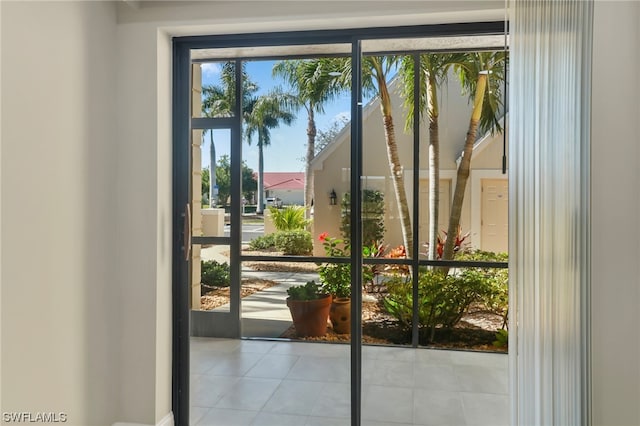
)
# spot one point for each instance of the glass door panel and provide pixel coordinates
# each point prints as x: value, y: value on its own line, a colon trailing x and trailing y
x: 213, y: 304
x: 415, y: 127
x: 292, y: 190
x: 211, y: 220
x: 263, y: 222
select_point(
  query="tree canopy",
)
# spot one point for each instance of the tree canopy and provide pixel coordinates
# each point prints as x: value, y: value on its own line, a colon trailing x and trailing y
x: 223, y: 176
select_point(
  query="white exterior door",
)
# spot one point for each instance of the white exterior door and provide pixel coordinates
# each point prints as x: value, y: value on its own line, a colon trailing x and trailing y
x: 495, y: 215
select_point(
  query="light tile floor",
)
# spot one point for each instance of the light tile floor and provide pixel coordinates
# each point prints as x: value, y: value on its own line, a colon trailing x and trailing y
x: 249, y: 382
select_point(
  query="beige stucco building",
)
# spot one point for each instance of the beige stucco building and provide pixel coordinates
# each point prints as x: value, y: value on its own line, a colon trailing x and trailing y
x: 485, y: 208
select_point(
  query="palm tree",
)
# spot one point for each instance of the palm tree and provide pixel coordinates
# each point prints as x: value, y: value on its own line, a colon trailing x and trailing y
x: 219, y: 101
x: 214, y: 104
x: 262, y: 114
x: 481, y: 75
x: 375, y: 73
x: 433, y: 69
x: 313, y: 84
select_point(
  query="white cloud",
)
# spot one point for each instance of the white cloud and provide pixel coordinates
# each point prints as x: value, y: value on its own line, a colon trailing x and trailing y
x: 210, y: 69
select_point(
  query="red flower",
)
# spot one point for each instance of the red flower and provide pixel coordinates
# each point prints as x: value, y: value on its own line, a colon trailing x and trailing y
x: 323, y: 236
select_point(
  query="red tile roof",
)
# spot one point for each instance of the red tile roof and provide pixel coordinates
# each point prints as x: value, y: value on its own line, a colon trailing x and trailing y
x: 283, y: 180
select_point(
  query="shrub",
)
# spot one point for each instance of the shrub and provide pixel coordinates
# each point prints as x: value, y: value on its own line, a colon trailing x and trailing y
x: 264, y: 242
x: 372, y: 216
x: 296, y: 242
x: 502, y: 339
x: 445, y: 298
x: 496, y: 297
x: 215, y: 274
x: 289, y: 218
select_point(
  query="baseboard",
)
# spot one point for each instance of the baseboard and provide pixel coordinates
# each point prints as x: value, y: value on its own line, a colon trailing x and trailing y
x: 165, y: 421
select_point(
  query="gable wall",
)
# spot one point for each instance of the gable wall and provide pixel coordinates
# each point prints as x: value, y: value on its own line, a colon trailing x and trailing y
x: 332, y: 168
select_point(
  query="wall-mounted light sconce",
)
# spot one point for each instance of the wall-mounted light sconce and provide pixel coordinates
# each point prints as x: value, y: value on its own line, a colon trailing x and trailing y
x: 333, y: 198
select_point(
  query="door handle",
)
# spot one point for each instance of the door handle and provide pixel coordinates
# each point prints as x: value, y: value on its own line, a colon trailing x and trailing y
x: 187, y: 232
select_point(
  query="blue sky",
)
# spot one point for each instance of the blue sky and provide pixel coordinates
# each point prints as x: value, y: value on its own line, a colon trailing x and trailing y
x: 288, y: 143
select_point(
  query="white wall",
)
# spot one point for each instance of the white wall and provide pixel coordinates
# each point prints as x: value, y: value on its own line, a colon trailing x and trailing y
x: 615, y: 218
x: 60, y: 309
x: 288, y: 197
x: 143, y: 188
x: 219, y: 17
x: 0, y: 206
x: 86, y: 307
x: 164, y: 216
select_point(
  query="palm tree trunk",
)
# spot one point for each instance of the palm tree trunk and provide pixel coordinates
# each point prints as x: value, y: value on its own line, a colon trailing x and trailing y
x: 260, y: 207
x: 398, y: 184
x: 463, y: 170
x: 395, y: 167
x: 308, y: 173
x: 212, y: 171
x: 434, y: 169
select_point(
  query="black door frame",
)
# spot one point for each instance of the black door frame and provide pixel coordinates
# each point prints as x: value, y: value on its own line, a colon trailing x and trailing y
x: 181, y: 167
x: 226, y: 324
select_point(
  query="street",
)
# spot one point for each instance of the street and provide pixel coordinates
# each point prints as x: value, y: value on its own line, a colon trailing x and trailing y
x: 249, y: 231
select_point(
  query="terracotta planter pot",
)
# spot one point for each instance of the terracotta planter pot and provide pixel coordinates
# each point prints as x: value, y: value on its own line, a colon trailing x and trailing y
x: 310, y: 316
x: 340, y: 315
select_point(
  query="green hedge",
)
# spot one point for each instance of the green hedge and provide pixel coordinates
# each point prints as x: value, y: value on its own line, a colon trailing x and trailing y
x: 296, y: 242
x: 215, y: 274
x: 445, y: 298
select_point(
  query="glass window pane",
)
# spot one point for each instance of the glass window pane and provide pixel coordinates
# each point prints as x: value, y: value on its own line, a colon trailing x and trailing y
x: 211, y: 282
x: 478, y: 219
x: 464, y: 308
x: 387, y: 206
x: 211, y: 182
x: 386, y: 301
x: 297, y: 150
x: 213, y: 89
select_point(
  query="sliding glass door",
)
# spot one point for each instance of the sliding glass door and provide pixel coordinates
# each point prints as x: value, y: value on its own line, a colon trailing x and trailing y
x: 306, y: 162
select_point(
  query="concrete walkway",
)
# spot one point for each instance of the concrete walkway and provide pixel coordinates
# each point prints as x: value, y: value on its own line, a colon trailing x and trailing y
x: 265, y: 313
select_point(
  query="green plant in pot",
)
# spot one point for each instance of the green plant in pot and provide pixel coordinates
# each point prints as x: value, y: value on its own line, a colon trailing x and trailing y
x: 336, y: 280
x: 309, y: 306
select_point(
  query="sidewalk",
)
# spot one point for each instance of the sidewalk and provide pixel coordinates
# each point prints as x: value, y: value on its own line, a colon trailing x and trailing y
x: 265, y: 313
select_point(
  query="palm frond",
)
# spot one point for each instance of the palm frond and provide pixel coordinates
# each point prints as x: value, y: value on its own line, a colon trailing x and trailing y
x: 468, y: 66
x: 434, y: 69
x: 311, y: 80
x: 264, y: 113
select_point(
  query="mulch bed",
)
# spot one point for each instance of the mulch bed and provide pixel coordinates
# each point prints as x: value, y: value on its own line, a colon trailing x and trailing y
x: 380, y: 328
x: 476, y: 331
x: 267, y: 266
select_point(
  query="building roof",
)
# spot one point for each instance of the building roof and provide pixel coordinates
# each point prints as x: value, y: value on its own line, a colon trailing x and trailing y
x: 283, y: 180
